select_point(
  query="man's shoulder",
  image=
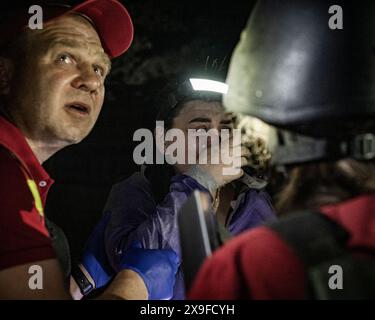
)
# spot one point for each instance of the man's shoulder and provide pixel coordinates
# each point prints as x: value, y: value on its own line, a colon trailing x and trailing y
x: 15, y: 195
x: 23, y: 236
x: 14, y: 190
x: 6, y: 156
x: 10, y: 168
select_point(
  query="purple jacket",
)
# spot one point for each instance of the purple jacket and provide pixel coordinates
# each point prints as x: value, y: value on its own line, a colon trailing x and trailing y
x: 135, y: 216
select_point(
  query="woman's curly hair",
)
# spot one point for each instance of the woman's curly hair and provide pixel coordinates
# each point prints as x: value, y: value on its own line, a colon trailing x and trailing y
x: 253, y: 138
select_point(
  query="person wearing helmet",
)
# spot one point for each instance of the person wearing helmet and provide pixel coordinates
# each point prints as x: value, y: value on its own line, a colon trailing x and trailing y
x: 52, y: 91
x: 315, y: 87
x: 143, y: 208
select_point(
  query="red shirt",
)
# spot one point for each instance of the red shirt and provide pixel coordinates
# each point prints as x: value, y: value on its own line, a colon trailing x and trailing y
x: 24, y: 185
x: 260, y: 265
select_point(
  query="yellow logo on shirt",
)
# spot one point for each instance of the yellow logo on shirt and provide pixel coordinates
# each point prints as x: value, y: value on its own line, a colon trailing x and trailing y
x: 35, y: 192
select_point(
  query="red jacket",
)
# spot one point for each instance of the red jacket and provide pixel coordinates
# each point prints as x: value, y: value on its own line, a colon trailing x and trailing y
x: 260, y: 265
x: 24, y: 185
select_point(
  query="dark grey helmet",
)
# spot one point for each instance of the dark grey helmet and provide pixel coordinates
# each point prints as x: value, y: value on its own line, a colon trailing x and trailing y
x: 291, y: 70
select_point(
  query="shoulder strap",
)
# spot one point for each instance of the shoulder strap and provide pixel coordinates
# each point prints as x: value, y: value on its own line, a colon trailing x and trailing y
x: 60, y: 245
x: 321, y: 243
x: 313, y: 236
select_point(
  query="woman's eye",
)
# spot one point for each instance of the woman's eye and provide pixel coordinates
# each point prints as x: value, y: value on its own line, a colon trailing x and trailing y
x: 201, y: 130
x: 227, y: 128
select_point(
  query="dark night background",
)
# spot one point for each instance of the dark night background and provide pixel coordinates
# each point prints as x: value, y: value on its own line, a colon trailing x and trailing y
x: 172, y: 37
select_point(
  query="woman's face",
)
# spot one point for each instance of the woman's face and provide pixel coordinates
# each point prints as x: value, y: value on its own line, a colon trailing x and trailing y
x: 196, y: 118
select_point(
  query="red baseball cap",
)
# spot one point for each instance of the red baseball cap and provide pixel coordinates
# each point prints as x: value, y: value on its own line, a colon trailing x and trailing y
x: 109, y: 17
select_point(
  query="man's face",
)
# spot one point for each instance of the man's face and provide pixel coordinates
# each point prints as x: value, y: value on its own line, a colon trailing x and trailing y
x: 56, y: 97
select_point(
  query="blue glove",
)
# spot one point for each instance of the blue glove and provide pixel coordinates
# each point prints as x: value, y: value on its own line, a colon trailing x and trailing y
x: 94, y: 258
x: 157, y: 268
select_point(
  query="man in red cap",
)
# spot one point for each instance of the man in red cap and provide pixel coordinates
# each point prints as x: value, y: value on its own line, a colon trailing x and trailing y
x: 52, y: 91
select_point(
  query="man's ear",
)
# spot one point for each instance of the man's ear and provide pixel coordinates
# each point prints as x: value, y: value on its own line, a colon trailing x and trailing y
x: 6, y: 73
